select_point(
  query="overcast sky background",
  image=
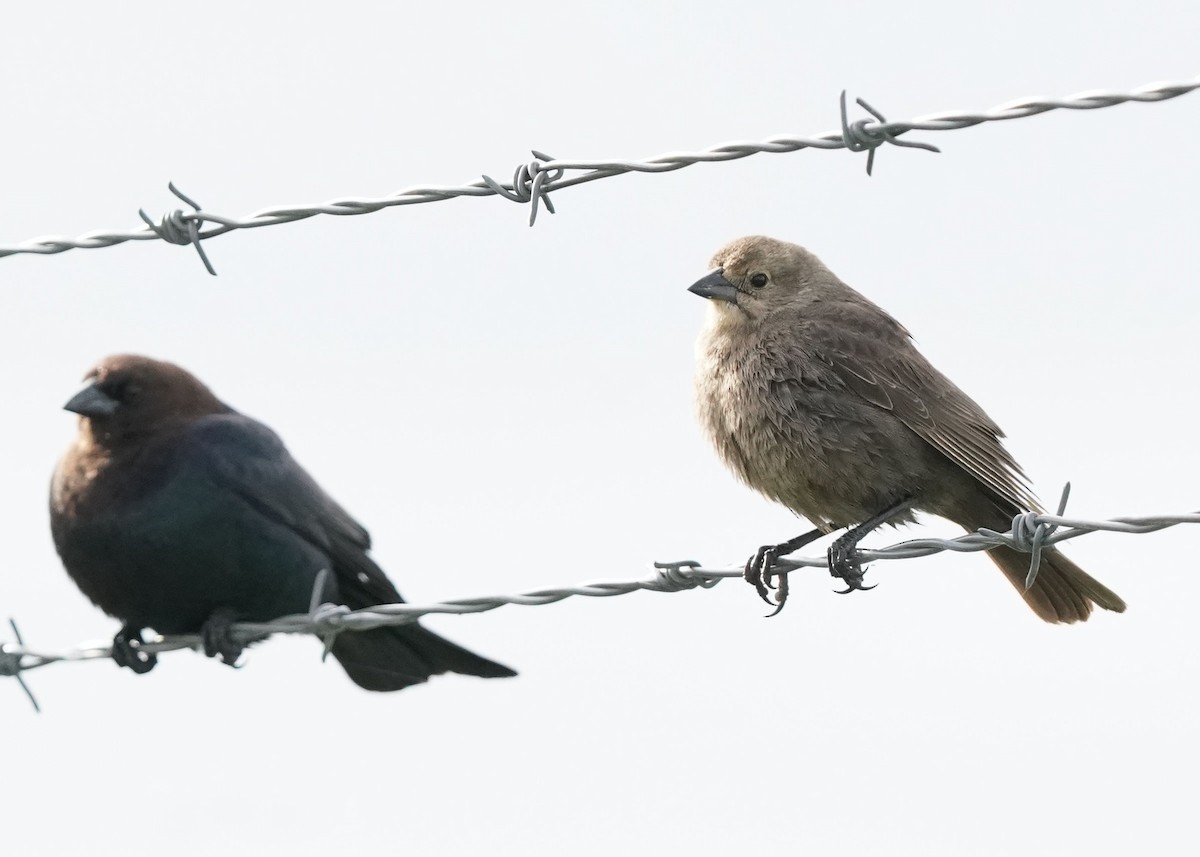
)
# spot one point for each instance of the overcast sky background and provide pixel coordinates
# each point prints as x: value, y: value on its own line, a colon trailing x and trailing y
x: 508, y: 408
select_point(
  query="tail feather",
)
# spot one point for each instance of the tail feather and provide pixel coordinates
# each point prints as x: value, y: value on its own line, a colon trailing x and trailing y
x: 386, y: 659
x: 396, y: 657
x: 1062, y: 591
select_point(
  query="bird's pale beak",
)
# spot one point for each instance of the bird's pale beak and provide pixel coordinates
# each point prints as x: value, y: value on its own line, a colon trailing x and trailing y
x: 91, y: 401
x: 715, y: 287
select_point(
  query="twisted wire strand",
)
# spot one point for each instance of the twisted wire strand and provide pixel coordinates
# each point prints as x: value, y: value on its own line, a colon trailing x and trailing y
x: 532, y: 183
x: 328, y: 620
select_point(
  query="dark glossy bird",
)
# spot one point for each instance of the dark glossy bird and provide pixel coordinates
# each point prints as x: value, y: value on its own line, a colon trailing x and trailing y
x: 172, y: 511
x: 818, y: 399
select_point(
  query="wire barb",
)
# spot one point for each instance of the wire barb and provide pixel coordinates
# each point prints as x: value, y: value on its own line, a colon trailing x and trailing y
x: 678, y: 576
x: 11, y: 664
x: 533, y: 182
x: 1032, y: 535
x: 177, y: 227
x: 859, y: 136
x: 324, y: 616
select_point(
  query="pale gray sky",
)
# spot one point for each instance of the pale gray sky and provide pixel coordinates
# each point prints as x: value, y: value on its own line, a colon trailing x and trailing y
x: 508, y: 408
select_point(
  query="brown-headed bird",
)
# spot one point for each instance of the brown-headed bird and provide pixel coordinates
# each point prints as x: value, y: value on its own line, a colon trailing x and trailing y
x: 818, y: 399
x: 172, y: 511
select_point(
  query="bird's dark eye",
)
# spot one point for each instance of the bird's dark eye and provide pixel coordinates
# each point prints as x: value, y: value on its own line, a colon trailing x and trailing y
x: 758, y: 280
x: 120, y: 389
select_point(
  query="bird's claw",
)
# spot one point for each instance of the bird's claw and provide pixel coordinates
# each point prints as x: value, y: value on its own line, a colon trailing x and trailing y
x: 760, y: 569
x: 758, y: 572
x: 127, y: 651
x: 852, y: 585
x: 217, y: 636
x: 781, y: 596
x: 844, y: 563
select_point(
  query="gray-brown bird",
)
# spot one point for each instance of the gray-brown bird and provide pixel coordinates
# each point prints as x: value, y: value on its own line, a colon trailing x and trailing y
x: 170, y: 510
x: 818, y: 399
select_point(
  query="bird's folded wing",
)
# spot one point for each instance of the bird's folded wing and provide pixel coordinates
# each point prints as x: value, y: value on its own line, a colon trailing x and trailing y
x: 880, y: 363
x: 249, y: 460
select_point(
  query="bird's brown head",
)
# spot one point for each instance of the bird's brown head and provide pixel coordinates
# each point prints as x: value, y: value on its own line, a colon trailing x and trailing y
x: 754, y: 276
x: 128, y: 396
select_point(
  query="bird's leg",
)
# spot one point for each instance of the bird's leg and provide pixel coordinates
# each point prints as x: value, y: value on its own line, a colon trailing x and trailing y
x: 216, y: 634
x: 127, y: 650
x: 843, y: 554
x: 760, y: 567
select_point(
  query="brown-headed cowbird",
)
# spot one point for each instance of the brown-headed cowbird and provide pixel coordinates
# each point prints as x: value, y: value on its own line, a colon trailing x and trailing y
x: 818, y: 399
x: 172, y: 511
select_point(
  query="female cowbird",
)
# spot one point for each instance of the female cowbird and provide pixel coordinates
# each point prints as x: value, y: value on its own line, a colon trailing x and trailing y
x: 818, y: 399
x: 170, y: 510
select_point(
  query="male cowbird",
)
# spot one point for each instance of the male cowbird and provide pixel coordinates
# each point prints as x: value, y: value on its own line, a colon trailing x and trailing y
x: 170, y: 510
x: 818, y: 399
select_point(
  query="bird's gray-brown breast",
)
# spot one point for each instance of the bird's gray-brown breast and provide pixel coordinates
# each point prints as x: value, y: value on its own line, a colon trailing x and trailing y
x: 756, y: 415
x: 786, y: 423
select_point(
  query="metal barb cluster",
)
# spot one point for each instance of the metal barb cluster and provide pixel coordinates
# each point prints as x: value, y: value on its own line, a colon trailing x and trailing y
x: 178, y: 227
x: 1030, y: 534
x: 533, y: 182
x: 860, y: 136
x: 529, y: 184
x: 11, y: 664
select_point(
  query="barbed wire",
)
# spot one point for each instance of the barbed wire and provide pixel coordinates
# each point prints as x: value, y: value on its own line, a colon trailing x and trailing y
x: 1030, y: 533
x: 533, y: 182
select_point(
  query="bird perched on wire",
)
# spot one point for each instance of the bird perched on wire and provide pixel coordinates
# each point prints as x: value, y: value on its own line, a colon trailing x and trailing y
x: 817, y: 398
x: 170, y: 510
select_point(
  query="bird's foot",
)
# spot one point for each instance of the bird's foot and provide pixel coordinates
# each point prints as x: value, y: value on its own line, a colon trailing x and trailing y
x: 127, y: 650
x: 845, y: 564
x: 759, y: 571
x: 217, y: 636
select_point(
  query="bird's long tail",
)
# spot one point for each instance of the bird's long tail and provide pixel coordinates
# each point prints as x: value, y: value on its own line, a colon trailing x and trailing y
x: 1062, y: 592
x: 395, y: 658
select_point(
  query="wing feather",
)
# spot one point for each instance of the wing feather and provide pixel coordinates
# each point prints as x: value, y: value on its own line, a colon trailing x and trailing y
x: 877, y: 360
x: 250, y: 461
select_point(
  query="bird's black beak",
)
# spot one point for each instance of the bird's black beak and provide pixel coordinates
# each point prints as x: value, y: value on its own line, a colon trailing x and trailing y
x: 91, y: 401
x: 715, y: 287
